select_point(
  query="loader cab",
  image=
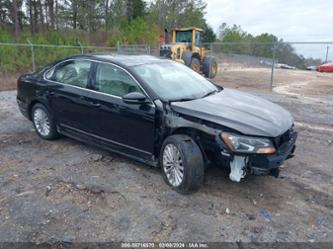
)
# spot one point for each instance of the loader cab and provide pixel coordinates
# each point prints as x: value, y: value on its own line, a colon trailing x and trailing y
x: 192, y: 36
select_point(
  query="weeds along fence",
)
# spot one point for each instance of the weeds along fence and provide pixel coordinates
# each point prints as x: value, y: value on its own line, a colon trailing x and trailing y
x: 28, y: 56
x: 256, y: 65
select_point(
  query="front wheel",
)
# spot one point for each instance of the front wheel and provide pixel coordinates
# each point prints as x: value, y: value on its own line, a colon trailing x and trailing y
x: 43, y: 122
x: 182, y: 163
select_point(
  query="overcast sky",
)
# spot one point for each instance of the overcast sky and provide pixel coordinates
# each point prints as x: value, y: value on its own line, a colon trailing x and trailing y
x: 291, y: 20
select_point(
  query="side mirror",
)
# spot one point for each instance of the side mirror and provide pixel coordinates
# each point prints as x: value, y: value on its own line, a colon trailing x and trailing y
x: 135, y: 98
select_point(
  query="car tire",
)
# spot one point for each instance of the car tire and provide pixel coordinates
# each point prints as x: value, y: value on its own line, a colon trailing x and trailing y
x: 43, y: 122
x: 209, y: 67
x: 180, y: 155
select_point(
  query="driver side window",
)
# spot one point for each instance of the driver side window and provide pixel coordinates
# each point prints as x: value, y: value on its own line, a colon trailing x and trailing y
x: 114, y: 81
x: 75, y: 73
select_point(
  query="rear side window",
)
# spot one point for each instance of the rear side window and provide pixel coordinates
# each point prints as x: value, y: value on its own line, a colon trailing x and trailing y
x: 75, y: 73
x: 115, y: 81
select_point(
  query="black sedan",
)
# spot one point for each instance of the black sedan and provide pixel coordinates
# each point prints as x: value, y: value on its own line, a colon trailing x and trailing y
x: 158, y: 112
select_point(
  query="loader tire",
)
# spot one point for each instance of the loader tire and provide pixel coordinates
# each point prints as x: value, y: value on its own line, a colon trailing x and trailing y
x: 209, y: 67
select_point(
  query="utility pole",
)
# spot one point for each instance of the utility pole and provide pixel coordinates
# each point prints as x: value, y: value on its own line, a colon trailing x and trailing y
x: 327, y: 53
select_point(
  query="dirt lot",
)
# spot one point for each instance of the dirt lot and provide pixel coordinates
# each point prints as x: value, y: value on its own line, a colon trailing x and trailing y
x: 8, y: 81
x: 68, y: 191
x: 296, y: 82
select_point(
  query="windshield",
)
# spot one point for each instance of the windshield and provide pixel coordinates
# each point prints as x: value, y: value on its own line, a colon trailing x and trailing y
x: 183, y: 36
x: 174, y: 81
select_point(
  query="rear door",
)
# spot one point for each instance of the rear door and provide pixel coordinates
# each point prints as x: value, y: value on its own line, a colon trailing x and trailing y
x: 67, y: 93
x: 129, y: 126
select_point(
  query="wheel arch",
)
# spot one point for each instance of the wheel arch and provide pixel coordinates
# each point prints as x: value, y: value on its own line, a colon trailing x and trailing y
x: 195, y: 134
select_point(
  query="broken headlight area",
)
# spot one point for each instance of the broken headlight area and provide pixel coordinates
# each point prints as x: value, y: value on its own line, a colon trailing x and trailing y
x: 242, y: 165
x: 255, y: 155
x: 246, y: 144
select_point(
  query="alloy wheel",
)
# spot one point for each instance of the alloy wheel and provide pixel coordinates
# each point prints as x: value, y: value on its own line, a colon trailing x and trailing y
x: 173, y: 165
x: 42, y: 122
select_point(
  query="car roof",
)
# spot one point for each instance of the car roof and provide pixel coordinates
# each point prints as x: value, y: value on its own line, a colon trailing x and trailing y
x: 126, y: 60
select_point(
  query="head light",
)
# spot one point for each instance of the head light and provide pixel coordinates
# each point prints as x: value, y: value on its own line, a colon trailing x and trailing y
x: 246, y: 144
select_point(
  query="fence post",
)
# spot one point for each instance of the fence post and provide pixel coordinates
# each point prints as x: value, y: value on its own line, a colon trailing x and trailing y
x: 118, y: 47
x: 148, y: 49
x: 273, y: 65
x: 81, y: 47
x: 32, y: 55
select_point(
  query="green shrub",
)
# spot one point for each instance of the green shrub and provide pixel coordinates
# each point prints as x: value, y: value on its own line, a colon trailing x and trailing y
x: 136, y: 32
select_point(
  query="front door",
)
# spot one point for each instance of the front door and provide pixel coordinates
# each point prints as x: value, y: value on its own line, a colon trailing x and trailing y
x: 130, y: 126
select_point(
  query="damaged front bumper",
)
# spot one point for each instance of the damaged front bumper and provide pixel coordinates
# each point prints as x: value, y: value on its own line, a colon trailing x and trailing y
x: 261, y: 164
x: 264, y: 165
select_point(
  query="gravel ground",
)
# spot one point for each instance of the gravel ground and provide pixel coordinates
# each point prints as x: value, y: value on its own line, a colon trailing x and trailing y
x: 68, y: 191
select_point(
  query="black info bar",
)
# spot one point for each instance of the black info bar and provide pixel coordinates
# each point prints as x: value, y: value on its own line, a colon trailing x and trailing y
x: 132, y: 245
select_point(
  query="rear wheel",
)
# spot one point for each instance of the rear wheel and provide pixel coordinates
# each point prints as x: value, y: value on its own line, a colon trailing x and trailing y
x: 43, y: 122
x: 182, y: 163
x: 209, y: 67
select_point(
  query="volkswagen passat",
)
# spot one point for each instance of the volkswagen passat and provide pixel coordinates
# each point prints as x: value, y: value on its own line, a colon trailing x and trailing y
x: 158, y: 112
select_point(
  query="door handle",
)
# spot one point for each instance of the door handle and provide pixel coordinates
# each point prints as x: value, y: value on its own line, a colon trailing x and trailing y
x: 84, y: 100
x: 51, y: 93
x: 95, y: 104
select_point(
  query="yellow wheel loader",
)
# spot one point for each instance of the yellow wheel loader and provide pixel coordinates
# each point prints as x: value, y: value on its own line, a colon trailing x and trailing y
x: 186, y: 48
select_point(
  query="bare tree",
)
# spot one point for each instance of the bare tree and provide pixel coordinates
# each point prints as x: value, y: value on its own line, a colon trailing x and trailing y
x: 56, y: 14
x: 35, y: 16
x: 106, y: 14
x: 50, y: 8
x: 31, y: 17
x: 40, y: 14
x: 16, y: 20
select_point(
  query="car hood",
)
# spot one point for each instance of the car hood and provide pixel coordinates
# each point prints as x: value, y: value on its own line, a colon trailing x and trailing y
x: 246, y: 113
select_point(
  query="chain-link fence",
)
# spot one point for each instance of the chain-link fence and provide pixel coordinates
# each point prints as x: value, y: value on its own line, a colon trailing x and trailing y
x: 240, y: 65
x: 271, y: 65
